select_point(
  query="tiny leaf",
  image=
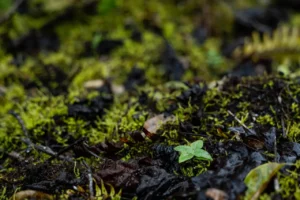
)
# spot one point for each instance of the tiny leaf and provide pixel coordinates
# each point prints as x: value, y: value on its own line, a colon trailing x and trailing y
x: 197, y: 145
x: 202, y: 154
x: 258, y: 178
x: 185, y: 156
x: 184, y: 149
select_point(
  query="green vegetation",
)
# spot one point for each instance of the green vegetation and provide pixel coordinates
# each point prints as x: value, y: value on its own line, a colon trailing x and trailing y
x: 187, y: 152
x: 50, y: 49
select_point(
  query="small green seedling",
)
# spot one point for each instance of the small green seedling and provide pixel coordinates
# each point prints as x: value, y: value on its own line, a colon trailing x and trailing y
x: 187, y: 152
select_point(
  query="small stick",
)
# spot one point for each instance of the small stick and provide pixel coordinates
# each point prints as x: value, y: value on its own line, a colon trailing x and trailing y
x: 21, y: 122
x: 27, y: 140
x: 90, y: 177
x: 283, y: 128
x: 39, y: 147
x: 85, y: 147
x: 276, y: 158
x: 67, y: 148
x: 46, y: 150
x: 24, y: 129
x: 239, y: 121
x: 16, y: 156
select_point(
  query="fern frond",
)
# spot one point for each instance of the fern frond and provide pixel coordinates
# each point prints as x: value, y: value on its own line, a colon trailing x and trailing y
x: 283, y: 42
x: 102, y: 192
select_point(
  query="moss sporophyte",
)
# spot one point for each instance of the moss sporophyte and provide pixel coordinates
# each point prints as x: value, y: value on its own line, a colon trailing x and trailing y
x: 187, y: 152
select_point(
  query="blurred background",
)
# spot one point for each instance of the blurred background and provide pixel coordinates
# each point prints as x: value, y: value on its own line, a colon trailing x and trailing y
x: 56, y: 46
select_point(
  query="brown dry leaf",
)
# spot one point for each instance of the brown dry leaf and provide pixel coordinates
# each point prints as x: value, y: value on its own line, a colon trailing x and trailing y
x: 216, y: 194
x: 31, y: 194
x: 154, y: 123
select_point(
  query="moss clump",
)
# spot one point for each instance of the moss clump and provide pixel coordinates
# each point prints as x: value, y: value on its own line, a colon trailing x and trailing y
x: 288, y: 182
x: 266, y: 119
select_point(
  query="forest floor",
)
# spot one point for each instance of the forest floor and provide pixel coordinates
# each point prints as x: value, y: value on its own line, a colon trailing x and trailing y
x: 172, y: 99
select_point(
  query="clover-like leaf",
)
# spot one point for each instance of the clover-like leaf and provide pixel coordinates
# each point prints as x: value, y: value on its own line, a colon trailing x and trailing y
x: 202, y: 154
x: 184, y: 149
x: 188, y: 152
x: 185, y: 156
x: 197, y: 145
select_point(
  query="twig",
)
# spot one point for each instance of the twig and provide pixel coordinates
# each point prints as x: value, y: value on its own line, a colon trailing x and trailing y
x: 39, y: 147
x: 90, y: 177
x: 11, y: 11
x: 239, y: 121
x: 16, y: 156
x: 86, y: 148
x: 66, y: 148
x: 283, y: 128
x: 42, y: 148
x: 46, y: 150
x: 24, y: 129
x: 21, y: 122
x: 276, y: 158
x: 27, y: 140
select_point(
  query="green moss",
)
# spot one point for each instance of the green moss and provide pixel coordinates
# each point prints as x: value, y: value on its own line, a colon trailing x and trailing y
x: 288, y: 182
x: 7, y: 69
x: 243, y: 105
x: 269, y: 84
x: 293, y: 130
x: 295, y: 108
x: 265, y: 197
x: 201, y: 62
x: 122, y: 117
x: 14, y: 94
x: 40, y: 110
x: 136, y: 150
x: 132, y: 120
x: 266, y: 120
x: 197, y: 167
x: 91, y: 69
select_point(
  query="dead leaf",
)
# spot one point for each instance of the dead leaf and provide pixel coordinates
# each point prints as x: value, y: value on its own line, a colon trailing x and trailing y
x: 258, y: 178
x: 153, y: 124
x: 31, y: 194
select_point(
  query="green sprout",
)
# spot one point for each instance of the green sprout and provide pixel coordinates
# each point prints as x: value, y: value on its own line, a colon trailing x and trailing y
x: 187, y: 152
